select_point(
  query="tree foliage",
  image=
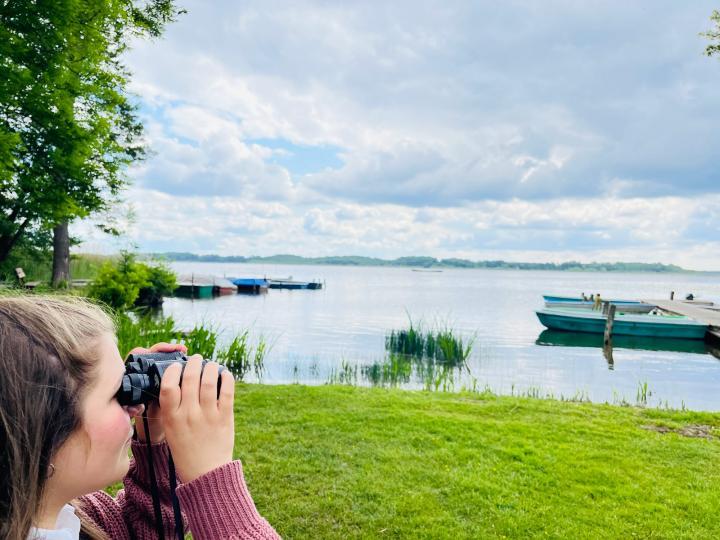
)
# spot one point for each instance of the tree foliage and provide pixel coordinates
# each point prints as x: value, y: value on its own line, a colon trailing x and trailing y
x: 68, y: 129
x: 713, y: 35
x: 127, y: 283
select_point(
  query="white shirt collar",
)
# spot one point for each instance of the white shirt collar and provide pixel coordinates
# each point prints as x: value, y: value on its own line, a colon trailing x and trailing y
x: 67, y: 527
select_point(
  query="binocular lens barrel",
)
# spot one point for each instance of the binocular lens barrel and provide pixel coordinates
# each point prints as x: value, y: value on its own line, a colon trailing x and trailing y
x: 143, y: 375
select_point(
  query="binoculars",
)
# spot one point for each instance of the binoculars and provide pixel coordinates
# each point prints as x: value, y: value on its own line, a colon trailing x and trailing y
x: 144, y: 372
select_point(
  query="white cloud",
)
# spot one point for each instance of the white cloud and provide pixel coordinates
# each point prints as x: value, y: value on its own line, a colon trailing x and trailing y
x: 646, y: 230
x: 470, y: 129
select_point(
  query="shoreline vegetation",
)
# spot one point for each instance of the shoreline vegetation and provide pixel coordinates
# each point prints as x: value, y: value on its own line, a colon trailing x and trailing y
x: 38, y: 266
x: 422, y: 262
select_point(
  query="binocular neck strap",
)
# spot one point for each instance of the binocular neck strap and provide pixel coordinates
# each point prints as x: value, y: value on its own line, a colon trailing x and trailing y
x: 175, y: 502
x: 153, y: 480
x: 179, y: 529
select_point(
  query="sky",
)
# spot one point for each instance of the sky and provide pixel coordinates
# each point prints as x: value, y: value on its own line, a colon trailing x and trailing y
x: 517, y: 130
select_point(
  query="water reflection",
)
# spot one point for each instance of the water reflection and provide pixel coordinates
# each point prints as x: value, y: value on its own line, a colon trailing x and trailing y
x: 341, y: 330
x: 572, y: 339
x: 397, y: 370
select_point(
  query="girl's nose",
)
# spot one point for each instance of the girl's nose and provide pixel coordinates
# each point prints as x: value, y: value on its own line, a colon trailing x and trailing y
x: 134, y: 410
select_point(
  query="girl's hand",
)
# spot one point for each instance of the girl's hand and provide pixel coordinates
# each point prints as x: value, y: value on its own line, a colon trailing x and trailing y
x: 157, y: 431
x: 199, y: 426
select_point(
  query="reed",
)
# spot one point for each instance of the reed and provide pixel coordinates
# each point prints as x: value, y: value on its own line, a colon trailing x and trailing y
x: 143, y: 331
x: 643, y: 393
x: 240, y: 357
x: 202, y: 340
x: 346, y: 374
x: 438, y: 344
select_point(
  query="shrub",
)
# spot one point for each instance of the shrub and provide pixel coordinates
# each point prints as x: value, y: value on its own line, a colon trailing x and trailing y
x: 118, y: 285
x: 130, y: 283
x: 161, y: 281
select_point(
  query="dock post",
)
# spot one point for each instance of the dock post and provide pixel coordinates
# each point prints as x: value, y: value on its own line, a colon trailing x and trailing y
x: 672, y: 295
x: 605, y: 307
x: 609, y: 324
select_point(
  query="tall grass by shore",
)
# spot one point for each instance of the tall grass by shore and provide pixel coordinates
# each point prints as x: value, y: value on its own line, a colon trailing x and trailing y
x: 439, y: 344
x: 239, y: 355
x: 38, y: 266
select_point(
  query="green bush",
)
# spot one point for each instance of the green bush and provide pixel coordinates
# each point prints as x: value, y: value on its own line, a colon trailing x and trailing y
x: 130, y: 283
x: 161, y: 281
x: 118, y: 285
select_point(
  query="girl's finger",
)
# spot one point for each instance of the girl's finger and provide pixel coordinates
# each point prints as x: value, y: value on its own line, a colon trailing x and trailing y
x: 208, y: 386
x: 139, y: 350
x: 191, y: 381
x: 135, y: 410
x: 170, y: 394
x: 227, y: 392
x: 168, y: 347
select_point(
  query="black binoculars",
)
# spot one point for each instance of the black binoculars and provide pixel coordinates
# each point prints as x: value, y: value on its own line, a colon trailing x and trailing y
x: 144, y: 372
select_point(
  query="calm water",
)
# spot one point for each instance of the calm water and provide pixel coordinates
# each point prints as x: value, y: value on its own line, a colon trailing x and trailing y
x: 338, y: 333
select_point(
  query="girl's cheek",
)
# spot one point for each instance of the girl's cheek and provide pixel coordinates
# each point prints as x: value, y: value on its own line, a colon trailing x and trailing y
x: 111, y: 428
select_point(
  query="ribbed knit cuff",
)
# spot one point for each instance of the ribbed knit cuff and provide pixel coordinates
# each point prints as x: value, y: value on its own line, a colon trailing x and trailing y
x: 218, y: 505
x: 140, y: 467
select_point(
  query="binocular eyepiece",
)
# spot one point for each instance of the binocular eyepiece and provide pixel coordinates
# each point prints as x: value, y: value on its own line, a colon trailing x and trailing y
x: 144, y: 372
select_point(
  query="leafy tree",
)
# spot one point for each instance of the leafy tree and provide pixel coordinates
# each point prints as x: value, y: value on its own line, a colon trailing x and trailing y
x: 68, y: 129
x: 713, y: 35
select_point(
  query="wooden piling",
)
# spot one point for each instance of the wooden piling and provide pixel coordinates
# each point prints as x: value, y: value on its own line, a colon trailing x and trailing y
x: 609, y: 324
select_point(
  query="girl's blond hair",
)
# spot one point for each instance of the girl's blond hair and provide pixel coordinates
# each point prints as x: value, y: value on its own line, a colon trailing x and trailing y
x: 47, y: 361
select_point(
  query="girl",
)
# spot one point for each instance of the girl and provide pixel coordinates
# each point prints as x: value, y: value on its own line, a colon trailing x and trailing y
x: 64, y: 436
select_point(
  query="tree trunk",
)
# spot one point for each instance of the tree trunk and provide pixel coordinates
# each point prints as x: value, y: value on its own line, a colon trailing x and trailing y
x: 8, y: 241
x: 61, y: 256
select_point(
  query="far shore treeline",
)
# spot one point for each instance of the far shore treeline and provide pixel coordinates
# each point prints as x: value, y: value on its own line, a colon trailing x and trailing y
x: 424, y: 262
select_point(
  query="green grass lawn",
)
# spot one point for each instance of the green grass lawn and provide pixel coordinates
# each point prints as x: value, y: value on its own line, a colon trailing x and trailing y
x: 342, y: 462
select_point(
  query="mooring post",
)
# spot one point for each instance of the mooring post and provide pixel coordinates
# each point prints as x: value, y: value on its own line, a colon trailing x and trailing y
x: 609, y: 324
x: 605, y: 307
x: 672, y: 295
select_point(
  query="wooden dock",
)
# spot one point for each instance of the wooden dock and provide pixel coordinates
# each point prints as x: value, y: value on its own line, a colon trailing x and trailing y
x: 701, y: 313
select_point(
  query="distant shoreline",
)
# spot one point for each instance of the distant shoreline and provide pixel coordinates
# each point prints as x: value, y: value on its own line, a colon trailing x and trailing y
x: 425, y: 262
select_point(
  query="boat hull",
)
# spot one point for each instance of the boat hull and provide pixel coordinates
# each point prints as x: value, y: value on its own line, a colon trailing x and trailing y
x: 287, y: 285
x: 628, y: 325
x: 251, y: 285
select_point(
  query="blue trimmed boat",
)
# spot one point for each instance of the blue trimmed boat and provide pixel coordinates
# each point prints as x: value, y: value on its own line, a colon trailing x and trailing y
x: 627, y: 306
x: 625, y: 324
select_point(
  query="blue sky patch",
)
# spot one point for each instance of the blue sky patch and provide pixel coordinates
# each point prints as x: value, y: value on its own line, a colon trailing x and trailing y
x: 301, y: 159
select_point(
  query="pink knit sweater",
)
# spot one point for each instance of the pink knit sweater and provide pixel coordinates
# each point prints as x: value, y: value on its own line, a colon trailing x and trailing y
x: 216, y: 505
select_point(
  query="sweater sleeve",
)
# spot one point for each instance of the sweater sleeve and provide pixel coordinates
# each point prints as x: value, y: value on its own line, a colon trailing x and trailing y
x: 218, y: 505
x: 131, y: 513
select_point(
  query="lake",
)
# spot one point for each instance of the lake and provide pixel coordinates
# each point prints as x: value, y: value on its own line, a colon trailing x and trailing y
x: 337, y: 334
